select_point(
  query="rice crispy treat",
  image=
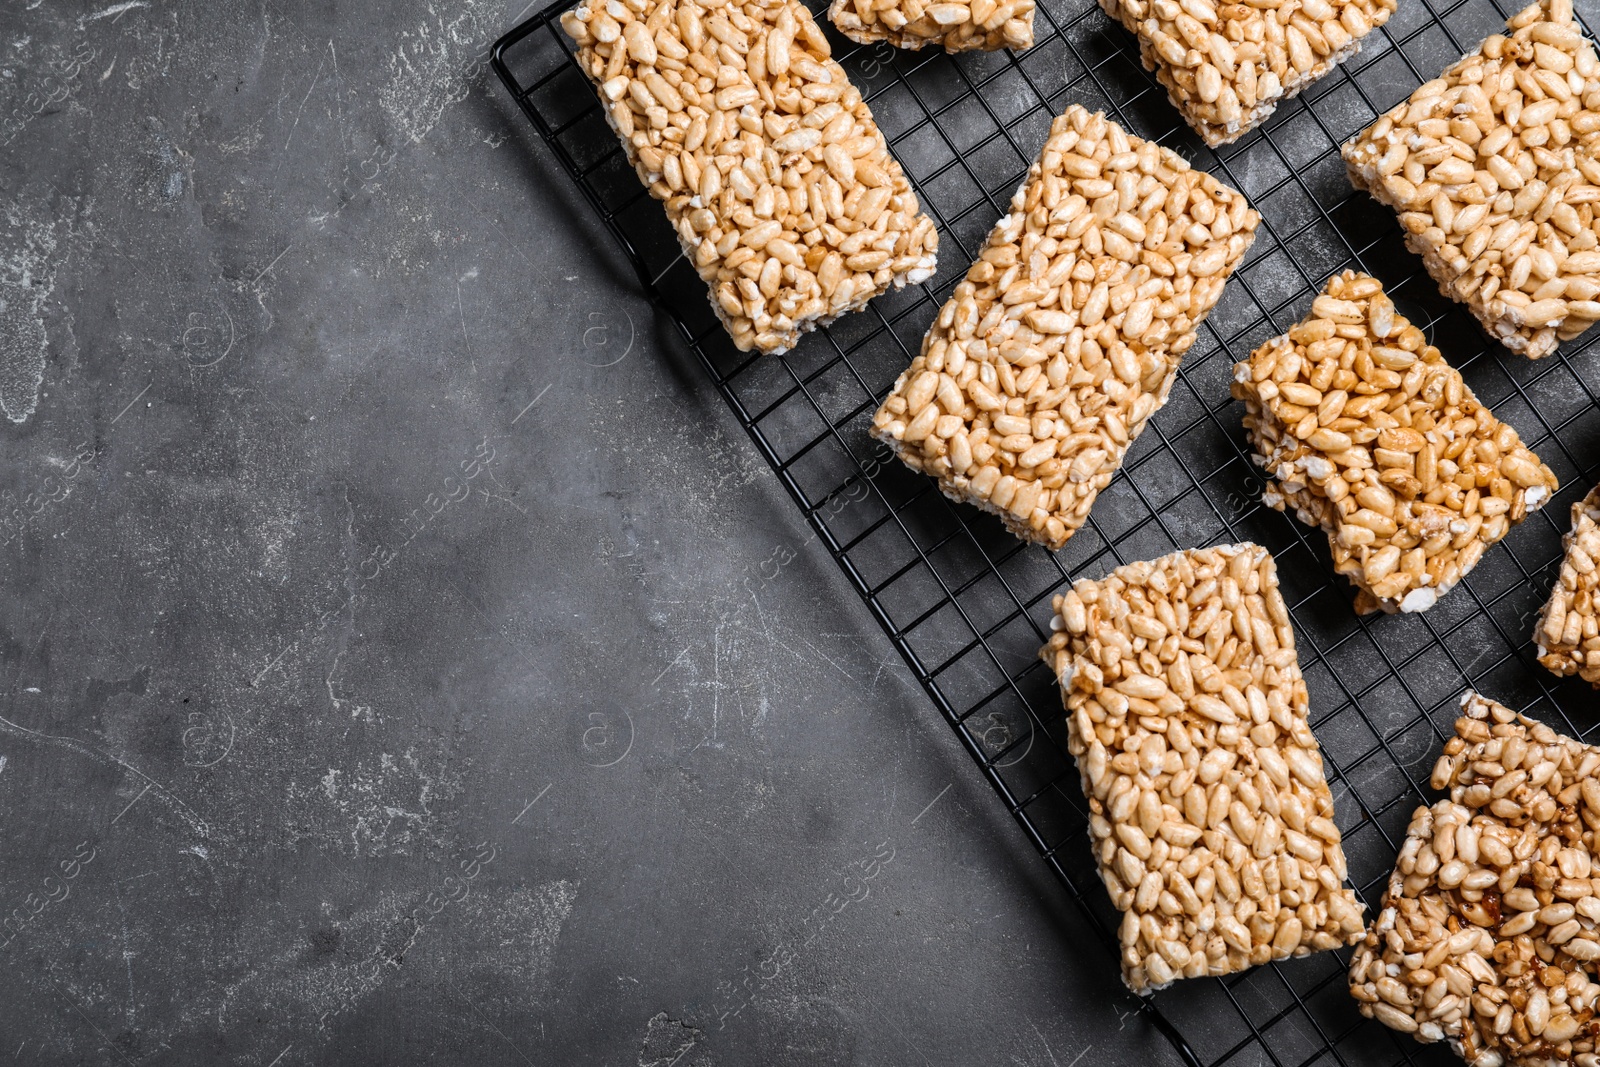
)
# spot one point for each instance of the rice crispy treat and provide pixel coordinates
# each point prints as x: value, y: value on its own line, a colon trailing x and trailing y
x: 1568, y: 631
x: 1065, y: 334
x: 779, y: 184
x: 958, y: 25
x: 1364, y: 430
x: 1209, y: 814
x: 1227, y: 66
x: 1493, y: 169
x: 1488, y: 935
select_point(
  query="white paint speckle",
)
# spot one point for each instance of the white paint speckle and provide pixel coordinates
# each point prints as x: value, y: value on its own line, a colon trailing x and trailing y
x: 32, y: 237
x: 435, y: 66
x: 23, y: 347
x: 515, y: 934
x: 379, y: 807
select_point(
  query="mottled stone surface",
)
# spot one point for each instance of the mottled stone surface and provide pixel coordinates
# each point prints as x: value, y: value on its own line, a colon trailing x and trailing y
x: 380, y: 682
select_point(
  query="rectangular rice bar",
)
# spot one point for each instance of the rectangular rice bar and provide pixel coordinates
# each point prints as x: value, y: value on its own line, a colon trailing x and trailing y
x: 1210, y: 815
x: 958, y: 25
x: 1364, y: 430
x: 1063, y: 338
x: 1490, y: 928
x: 779, y: 184
x: 1492, y: 167
x: 1227, y: 66
x: 1568, y: 631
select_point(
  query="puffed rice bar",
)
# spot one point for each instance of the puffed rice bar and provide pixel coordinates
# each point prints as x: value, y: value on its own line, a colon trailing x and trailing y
x: 1227, y: 66
x: 1064, y: 336
x: 1568, y: 631
x: 779, y: 184
x: 958, y: 25
x: 1209, y: 813
x: 1365, y: 431
x: 1493, y: 170
x: 1488, y: 937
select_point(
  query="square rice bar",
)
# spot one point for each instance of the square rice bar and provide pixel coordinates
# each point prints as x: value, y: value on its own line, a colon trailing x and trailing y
x: 1493, y: 169
x: 1063, y: 338
x: 1227, y: 66
x: 1365, y: 431
x: 1209, y: 813
x: 778, y: 183
x: 1568, y: 630
x: 1490, y: 929
x: 958, y: 25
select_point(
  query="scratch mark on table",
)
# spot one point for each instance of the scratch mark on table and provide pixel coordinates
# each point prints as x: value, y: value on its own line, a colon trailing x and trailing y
x: 474, y: 1009
x: 274, y: 263
x: 484, y: 615
x: 931, y: 803
x: 822, y: 657
x: 48, y: 619
x: 504, y: 495
x: 532, y: 802
x: 17, y: 675
x: 72, y: 744
x: 338, y: 97
x: 133, y: 878
x: 902, y: 1034
x: 1078, y: 1057
x: 114, y: 12
x: 131, y: 803
x: 515, y: 246
x: 1046, y: 1045
x: 768, y: 634
x: 463, y: 315
x: 134, y: 401
x: 108, y: 1042
x: 712, y: 845
x: 127, y: 954
x: 275, y: 660
x: 671, y: 665
x: 281, y: 1055
x: 309, y: 89
x: 88, y: 621
x: 532, y: 402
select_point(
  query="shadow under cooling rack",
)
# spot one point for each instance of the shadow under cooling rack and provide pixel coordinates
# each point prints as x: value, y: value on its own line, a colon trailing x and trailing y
x: 968, y: 606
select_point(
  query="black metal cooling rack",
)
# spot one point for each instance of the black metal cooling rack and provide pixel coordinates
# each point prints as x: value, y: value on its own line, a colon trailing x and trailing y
x: 968, y: 606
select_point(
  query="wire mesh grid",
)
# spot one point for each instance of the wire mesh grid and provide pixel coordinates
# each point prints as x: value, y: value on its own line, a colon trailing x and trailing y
x: 968, y: 606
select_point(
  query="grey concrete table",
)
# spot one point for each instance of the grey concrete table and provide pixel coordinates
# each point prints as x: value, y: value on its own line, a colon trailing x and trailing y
x: 379, y: 683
